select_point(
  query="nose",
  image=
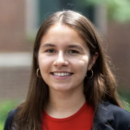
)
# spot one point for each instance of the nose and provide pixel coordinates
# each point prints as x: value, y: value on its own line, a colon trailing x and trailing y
x: 60, y: 60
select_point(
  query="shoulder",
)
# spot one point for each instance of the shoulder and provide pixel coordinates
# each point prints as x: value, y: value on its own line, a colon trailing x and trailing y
x: 112, y: 115
x: 108, y: 109
x: 9, y: 119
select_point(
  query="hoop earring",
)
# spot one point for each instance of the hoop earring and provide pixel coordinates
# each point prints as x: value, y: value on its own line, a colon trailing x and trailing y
x: 38, y: 69
x: 89, y: 74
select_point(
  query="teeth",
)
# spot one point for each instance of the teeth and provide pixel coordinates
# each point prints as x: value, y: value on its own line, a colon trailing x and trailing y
x: 61, y: 74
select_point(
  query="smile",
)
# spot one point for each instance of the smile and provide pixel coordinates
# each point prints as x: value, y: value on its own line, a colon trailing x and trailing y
x: 61, y: 74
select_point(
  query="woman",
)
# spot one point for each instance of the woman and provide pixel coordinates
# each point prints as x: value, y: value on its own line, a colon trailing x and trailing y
x: 72, y: 86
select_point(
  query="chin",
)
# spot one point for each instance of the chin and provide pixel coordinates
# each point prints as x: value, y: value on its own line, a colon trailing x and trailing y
x: 62, y: 88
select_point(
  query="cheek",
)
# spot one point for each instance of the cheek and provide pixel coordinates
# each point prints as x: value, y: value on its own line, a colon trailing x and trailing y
x: 44, y: 65
x: 84, y: 61
x: 82, y: 65
x: 44, y: 62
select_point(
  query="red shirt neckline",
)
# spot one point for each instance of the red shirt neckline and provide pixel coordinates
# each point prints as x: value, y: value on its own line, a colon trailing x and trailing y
x: 67, y: 118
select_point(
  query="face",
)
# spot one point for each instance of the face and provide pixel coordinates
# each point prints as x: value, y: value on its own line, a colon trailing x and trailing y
x: 64, y: 58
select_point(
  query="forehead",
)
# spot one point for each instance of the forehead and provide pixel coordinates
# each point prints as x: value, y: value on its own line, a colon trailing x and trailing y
x: 63, y: 29
x: 61, y: 33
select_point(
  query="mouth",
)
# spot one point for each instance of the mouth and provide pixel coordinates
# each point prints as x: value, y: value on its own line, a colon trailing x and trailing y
x: 61, y: 74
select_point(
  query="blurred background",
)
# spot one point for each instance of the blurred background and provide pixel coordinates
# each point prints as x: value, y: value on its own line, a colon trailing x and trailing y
x: 19, y: 22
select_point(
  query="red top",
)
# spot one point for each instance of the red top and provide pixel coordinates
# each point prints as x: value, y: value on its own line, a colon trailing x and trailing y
x: 81, y: 120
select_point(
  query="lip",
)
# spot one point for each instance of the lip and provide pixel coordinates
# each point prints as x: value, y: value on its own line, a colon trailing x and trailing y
x: 61, y: 72
x: 61, y: 77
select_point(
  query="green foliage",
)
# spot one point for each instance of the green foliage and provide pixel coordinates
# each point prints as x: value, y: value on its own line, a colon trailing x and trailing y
x: 1, y: 125
x: 125, y: 98
x: 118, y: 10
x: 127, y: 107
x: 5, y: 107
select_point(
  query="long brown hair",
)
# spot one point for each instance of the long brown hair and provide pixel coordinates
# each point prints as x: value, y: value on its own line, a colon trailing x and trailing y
x: 101, y: 87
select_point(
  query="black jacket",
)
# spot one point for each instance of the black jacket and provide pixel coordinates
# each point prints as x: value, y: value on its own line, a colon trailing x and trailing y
x: 107, y: 117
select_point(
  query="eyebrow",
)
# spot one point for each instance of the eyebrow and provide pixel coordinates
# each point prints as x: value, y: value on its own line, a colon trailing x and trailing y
x: 48, y: 45
x: 70, y: 46
x: 76, y: 46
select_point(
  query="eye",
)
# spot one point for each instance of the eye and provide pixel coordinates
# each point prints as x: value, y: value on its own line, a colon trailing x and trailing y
x: 50, y: 51
x: 73, y: 51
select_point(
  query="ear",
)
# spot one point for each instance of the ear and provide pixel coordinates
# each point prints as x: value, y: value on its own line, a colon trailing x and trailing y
x: 92, y: 61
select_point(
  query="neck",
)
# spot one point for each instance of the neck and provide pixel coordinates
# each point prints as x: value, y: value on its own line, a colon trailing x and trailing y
x: 64, y: 104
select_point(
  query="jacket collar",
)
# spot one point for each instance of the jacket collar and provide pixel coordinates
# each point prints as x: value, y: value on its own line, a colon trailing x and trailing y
x: 100, y: 118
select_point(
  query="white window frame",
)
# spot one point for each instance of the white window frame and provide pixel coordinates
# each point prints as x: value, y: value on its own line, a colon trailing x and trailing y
x: 32, y: 17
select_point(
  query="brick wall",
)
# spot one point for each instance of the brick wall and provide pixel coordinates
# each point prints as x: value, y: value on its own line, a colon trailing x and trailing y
x: 119, y: 50
x: 14, y: 82
x: 12, y: 26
